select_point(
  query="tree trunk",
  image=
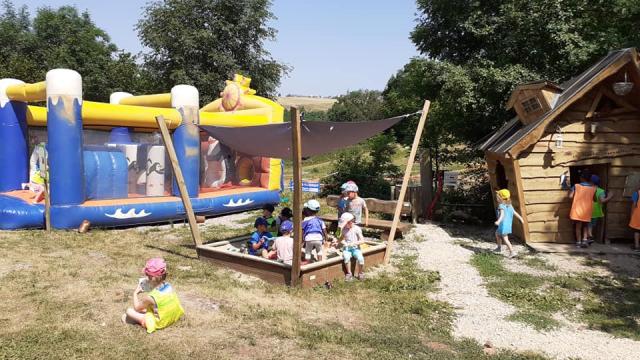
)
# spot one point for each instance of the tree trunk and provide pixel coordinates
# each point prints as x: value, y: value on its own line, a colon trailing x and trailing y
x: 426, y: 183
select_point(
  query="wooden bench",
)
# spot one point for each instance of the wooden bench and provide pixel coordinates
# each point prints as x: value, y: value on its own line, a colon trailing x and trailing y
x: 374, y: 205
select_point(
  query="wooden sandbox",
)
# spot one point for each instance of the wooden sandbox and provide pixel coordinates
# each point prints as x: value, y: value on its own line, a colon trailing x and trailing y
x: 227, y: 253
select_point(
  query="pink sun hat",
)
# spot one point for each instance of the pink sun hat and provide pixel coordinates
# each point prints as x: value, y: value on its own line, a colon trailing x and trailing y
x: 155, y: 267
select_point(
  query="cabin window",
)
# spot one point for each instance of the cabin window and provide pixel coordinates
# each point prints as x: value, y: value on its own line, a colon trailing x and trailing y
x: 532, y: 104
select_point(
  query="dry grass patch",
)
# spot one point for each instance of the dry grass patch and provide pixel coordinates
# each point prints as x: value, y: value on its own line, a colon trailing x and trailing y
x: 63, y: 294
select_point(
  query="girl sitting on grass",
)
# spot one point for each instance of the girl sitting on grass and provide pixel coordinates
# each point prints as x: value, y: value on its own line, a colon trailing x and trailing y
x: 505, y: 220
x: 159, y: 307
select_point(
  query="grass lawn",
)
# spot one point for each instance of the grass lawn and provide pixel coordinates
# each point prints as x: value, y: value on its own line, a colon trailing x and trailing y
x: 63, y: 294
x: 605, y: 303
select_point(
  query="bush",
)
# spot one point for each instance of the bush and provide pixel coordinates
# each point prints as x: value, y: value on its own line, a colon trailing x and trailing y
x: 369, y: 166
x: 474, y: 188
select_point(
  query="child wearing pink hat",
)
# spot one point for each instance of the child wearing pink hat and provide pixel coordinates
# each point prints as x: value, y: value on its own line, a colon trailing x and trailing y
x: 155, y: 304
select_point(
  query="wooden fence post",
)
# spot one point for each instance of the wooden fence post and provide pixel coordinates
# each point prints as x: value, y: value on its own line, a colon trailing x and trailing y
x: 405, y: 180
x: 296, y: 149
x: 182, y: 187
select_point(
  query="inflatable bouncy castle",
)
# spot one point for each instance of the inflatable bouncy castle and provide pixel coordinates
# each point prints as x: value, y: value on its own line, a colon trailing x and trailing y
x: 106, y: 163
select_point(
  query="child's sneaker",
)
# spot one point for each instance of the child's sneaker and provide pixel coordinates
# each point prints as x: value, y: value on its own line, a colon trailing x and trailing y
x: 513, y: 254
x: 361, y: 276
x: 497, y: 250
x: 348, y: 277
x: 578, y: 244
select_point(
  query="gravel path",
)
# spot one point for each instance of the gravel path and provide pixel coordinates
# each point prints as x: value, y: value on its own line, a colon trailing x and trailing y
x: 482, y: 317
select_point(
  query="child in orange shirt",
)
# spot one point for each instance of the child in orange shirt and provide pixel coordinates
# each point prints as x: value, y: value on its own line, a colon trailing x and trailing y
x: 582, y: 207
x: 634, y: 223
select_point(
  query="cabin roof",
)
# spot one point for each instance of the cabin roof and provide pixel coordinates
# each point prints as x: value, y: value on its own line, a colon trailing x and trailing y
x: 514, y: 132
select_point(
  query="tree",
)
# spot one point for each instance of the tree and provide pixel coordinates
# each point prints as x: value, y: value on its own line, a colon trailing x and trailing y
x: 370, y: 166
x: 203, y: 43
x: 357, y: 105
x: 476, y: 52
x: 553, y: 38
x: 63, y: 38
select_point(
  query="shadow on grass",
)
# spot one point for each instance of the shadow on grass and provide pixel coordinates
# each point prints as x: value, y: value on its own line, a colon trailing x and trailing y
x: 173, y: 252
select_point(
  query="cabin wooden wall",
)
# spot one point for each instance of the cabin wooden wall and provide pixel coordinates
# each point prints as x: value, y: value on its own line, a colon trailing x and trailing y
x: 616, y: 142
x: 511, y: 172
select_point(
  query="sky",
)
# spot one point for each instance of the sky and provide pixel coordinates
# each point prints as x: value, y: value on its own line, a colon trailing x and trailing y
x: 333, y: 46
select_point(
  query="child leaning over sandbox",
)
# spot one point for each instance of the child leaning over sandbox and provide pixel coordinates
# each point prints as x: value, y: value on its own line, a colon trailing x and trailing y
x: 159, y: 306
x: 506, y: 212
x: 314, y: 231
x: 351, y: 238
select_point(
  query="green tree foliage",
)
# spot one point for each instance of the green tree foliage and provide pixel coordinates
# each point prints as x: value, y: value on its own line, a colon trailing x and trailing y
x: 553, y: 38
x: 476, y: 52
x: 370, y: 166
x: 63, y: 38
x: 467, y: 102
x: 357, y: 105
x: 203, y: 43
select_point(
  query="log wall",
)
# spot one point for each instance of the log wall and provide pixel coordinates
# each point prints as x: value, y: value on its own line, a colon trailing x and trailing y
x: 615, y: 143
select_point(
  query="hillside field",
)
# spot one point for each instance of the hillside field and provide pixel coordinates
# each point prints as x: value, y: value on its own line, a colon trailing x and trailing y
x: 309, y: 103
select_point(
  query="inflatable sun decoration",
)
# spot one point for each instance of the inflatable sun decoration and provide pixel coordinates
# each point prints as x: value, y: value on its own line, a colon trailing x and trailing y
x: 233, y: 92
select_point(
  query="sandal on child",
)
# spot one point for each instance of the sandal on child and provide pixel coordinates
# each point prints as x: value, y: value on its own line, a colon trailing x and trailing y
x: 361, y: 276
x: 348, y: 277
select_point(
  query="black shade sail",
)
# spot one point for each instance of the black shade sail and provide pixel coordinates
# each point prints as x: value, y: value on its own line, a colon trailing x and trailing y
x: 318, y: 137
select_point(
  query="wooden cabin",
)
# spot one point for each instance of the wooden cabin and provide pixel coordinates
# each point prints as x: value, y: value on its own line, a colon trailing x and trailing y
x: 591, y: 121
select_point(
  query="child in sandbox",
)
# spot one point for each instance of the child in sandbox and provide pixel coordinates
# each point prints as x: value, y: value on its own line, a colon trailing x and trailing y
x: 314, y: 231
x: 582, y: 207
x: 285, y: 214
x: 272, y: 223
x: 283, y: 244
x: 351, y: 238
x: 159, y: 306
x: 259, y: 241
x: 343, y: 202
x: 634, y: 222
x: 506, y: 212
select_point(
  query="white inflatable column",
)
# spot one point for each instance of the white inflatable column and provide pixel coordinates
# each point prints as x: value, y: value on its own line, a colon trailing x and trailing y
x: 186, y: 137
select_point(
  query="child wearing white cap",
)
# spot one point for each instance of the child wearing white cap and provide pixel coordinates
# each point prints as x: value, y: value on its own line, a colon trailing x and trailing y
x: 314, y: 231
x: 351, y: 238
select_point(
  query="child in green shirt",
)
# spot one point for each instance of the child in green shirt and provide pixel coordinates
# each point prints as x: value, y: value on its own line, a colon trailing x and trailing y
x: 598, y: 212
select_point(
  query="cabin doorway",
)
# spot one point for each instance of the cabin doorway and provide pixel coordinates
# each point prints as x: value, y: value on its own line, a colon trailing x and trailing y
x: 602, y: 170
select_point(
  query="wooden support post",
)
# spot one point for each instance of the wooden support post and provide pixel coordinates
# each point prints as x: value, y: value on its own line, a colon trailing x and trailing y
x: 177, y: 172
x: 47, y: 199
x: 296, y: 149
x: 405, y: 180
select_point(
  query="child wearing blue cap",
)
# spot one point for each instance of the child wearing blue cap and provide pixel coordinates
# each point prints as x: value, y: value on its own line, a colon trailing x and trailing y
x: 283, y: 245
x: 259, y: 241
